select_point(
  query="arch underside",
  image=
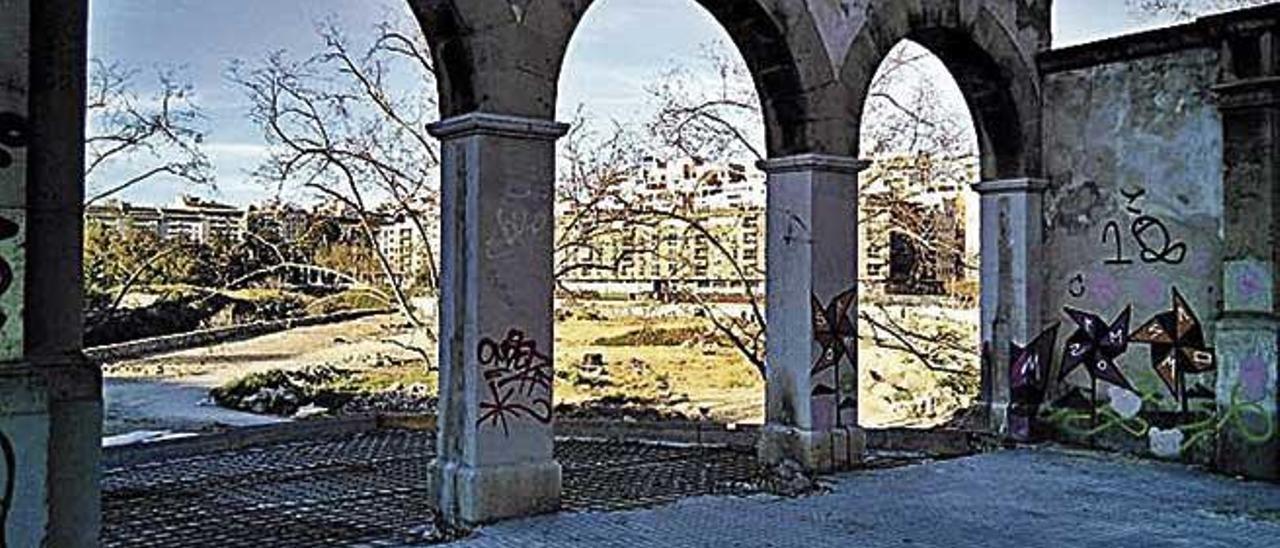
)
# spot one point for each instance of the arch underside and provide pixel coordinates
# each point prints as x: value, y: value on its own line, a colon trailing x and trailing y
x: 999, y: 84
x: 491, y: 60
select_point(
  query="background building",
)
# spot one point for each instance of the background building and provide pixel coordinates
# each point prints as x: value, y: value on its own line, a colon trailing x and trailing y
x: 188, y: 217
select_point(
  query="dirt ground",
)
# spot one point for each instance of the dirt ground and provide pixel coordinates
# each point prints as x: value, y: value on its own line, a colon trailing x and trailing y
x: 169, y: 392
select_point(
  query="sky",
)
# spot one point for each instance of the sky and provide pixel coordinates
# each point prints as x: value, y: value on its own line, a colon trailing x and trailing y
x: 622, y: 45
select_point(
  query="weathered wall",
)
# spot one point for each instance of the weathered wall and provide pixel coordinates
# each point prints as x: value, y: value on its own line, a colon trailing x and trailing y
x: 1134, y: 214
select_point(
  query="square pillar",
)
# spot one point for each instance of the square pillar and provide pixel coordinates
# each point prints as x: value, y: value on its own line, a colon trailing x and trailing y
x: 812, y: 292
x: 1012, y: 274
x: 50, y: 397
x: 1248, y: 332
x: 496, y: 318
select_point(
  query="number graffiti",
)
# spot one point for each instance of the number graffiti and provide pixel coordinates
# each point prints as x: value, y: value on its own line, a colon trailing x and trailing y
x: 1156, y: 244
x: 519, y: 379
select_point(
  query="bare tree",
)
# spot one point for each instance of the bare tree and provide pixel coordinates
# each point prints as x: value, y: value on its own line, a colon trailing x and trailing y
x: 1188, y: 9
x: 348, y: 125
x: 143, y: 137
x: 710, y: 110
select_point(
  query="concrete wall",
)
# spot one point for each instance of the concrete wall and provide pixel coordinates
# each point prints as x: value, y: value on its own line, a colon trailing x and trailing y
x: 1161, y: 244
x: 1135, y: 209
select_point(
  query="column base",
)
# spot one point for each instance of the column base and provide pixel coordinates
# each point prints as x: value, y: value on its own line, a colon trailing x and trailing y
x: 998, y: 420
x: 1249, y: 444
x: 51, y: 425
x: 814, y: 450
x: 473, y: 496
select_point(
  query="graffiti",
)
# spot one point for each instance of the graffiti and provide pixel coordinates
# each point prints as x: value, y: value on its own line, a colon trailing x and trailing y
x: 832, y: 329
x: 1096, y: 345
x: 519, y: 380
x: 1160, y: 248
x: 1029, y: 367
x: 13, y: 134
x: 1249, y: 420
x: 1155, y: 243
x: 10, y: 478
x: 1029, y: 380
x: 1133, y: 196
x: 514, y: 229
x: 1253, y: 377
x: 1114, y: 228
x: 1076, y: 287
x: 1177, y: 348
x: 1236, y: 415
x: 794, y: 222
x: 1251, y: 282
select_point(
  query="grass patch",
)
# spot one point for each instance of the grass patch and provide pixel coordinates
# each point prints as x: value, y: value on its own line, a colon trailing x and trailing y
x: 660, y: 336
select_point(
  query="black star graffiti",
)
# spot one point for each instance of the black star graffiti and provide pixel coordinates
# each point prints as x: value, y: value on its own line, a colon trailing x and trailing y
x: 1029, y: 367
x: 832, y: 328
x: 1177, y: 346
x: 1096, y: 345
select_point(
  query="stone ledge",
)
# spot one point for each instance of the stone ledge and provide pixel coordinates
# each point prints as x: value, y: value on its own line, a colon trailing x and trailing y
x: 1011, y: 186
x: 500, y: 125
x: 814, y: 162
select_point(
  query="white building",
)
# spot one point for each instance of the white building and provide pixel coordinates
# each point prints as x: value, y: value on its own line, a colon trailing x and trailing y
x: 190, y: 218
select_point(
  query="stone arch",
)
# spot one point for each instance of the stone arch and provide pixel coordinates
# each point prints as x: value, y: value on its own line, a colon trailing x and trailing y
x: 766, y: 39
x: 505, y: 57
x: 451, y: 54
x: 997, y: 77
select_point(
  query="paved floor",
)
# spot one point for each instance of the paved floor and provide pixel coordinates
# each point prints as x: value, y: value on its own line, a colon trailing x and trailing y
x: 1023, y: 499
x: 370, y: 490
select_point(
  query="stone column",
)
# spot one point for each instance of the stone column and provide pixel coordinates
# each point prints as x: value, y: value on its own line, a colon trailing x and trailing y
x: 495, y: 446
x: 1246, y: 340
x: 50, y: 398
x: 812, y: 292
x: 1012, y: 230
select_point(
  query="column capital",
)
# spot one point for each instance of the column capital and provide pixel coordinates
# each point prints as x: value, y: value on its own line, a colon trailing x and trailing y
x: 1011, y: 186
x: 500, y: 125
x: 814, y: 162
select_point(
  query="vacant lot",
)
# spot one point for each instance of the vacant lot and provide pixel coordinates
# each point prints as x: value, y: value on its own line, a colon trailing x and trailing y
x: 613, y: 359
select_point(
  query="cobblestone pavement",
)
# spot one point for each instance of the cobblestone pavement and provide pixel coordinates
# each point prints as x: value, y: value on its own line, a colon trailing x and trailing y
x: 371, y: 490
x: 1022, y: 498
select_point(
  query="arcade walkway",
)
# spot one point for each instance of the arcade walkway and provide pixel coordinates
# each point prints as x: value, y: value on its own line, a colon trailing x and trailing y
x: 370, y: 489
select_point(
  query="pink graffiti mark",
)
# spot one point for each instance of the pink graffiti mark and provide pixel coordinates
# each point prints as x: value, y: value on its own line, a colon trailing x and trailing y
x: 1250, y: 283
x: 1253, y: 378
x: 1152, y: 289
x: 1104, y: 288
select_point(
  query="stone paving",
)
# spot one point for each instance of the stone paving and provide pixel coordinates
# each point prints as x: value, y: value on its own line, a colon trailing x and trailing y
x: 370, y: 490
x: 1017, y: 498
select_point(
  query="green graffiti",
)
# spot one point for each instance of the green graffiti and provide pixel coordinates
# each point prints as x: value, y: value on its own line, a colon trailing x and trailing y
x: 1068, y: 420
x: 1232, y: 417
x: 1103, y: 418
